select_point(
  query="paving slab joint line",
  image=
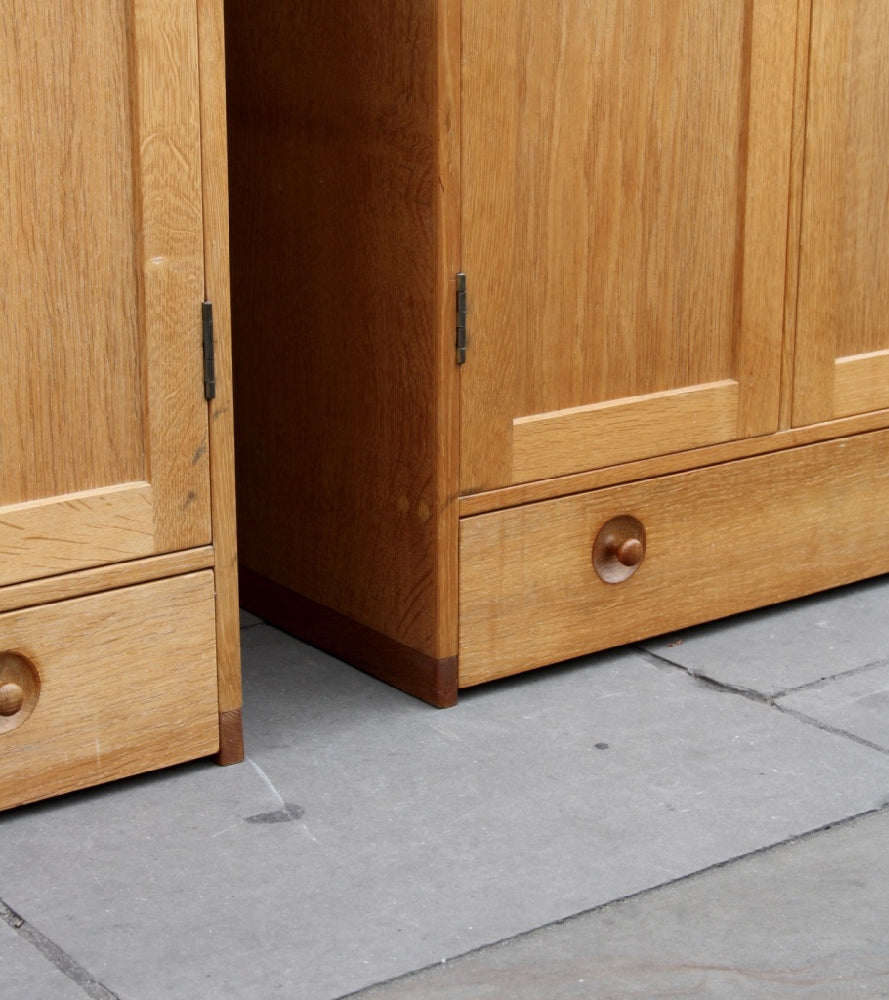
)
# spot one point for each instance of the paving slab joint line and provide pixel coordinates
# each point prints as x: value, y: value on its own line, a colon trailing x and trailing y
x: 875, y: 665
x: 619, y: 900
x: 55, y: 955
x: 802, y: 717
x: 656, y: 660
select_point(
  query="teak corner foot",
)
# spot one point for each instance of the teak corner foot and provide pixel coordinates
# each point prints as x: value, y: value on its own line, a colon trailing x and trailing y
x: 231, y: 738
x: 431, y: 680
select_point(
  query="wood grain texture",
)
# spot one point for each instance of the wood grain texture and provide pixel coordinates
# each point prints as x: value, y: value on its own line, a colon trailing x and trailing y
x: 662, y: 465
x: 231, y: 737
x: 490, y: 132
x: 109, y: 577
x: 614, y: 200
x: 102, y: 240
x: 429, y: 679
x: 61, y: 534
x: 71, y: 401
x: 794, y: 218
x: 529, y: 594
x: 861, y: 383
x: 170, y: 207
x: 211, y: 40
x: 104, y: 438
x: 620, y: 181
x: 550, y: 445
x: 843, y: 297
x: 337, y: 300
x: 766, y: 141
x: 447, y: 441
x: 128, y: 684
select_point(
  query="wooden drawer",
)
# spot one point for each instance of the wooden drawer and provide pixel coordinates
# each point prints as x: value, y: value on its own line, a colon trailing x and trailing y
x: 719, y: 540
x: 112, y: 684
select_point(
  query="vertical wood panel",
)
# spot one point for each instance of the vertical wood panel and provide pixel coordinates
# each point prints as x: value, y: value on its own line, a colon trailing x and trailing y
x: 448, y: 100
x: 217, y: 291
x: 843, y: 299
x: 491, y: 251
x: 765, y: 191
x: 71, y: 400
x: 101, y: 232
x: 336, y: 305
x: 794, y: 220
x: 172, y: 264
x: 627, y: 173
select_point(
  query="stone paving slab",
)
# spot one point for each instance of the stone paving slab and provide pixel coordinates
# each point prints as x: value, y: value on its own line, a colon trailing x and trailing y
x: 25, y: 974
x: 807, y: 921
x: 856, y: 703
x: 247, y: 619
x: 786, y: 646
x: 370, y: 835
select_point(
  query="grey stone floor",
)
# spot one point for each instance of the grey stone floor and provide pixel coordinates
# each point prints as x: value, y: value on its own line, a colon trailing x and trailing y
x: 702, y: 815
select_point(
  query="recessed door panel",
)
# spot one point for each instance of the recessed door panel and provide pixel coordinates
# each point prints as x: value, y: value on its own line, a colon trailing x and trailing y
x: 103, y: 424
x: 625, y: 171
x: 842, y: 341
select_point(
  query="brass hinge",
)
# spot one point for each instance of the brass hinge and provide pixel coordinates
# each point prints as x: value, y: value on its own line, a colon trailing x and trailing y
x: 461, y: 318
x: 209, y: 352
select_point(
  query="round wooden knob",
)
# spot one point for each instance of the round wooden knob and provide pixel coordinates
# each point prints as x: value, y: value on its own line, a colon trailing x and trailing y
x: 19, y: 690
x: 11, y: 699
x: 619, y: 548
x: 630, y: 552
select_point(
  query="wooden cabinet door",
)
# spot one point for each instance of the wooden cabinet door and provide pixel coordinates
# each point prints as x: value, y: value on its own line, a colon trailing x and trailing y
x: 842, y: 338
x: 625, y: 169
x: 103, y: 421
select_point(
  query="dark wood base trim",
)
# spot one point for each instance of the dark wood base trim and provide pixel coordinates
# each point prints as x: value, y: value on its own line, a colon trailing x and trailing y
x: 430, y: 680
x: 231, y: 738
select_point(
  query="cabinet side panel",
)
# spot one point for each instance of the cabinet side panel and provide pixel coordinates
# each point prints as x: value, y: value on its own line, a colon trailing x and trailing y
x: 216, y: 288
x: 334, y: 200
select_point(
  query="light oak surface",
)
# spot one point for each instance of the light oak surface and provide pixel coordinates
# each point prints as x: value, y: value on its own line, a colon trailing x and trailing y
x: 662, y: 465
x: 624, y: 216
x: 117, y: 472
x: 718, y: 541
x: 794, y: 218
x: 60, y: 534
x: 214, y: 152
x: 71, y: 406
x: 106, y: 709
x: 101, y: 578
x: 102, y: 240
x: 861, y: 383
x: 843, y: 296
x: 624, y: 430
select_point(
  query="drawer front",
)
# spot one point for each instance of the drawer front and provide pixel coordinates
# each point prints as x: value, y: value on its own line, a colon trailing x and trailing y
x: 717, y: 541
x: 107, y: 685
